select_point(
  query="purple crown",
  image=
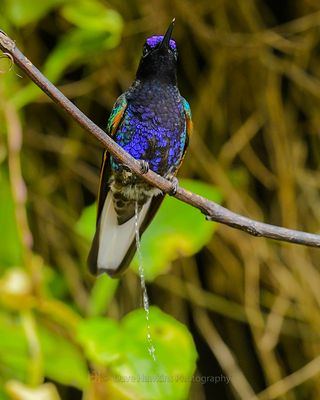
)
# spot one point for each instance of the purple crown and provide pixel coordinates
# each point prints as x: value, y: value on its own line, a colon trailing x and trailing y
x: 154, y: 40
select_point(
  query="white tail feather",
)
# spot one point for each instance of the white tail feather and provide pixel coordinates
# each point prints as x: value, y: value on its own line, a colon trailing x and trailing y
x: 114, y: 239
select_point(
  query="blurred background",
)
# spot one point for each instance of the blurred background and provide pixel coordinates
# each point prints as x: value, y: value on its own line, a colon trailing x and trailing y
x: 235, y: 317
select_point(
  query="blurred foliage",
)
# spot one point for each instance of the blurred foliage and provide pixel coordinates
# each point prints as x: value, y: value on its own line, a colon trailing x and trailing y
x: 11, y: 251
x: 250, y: 70
x: 130, y: 365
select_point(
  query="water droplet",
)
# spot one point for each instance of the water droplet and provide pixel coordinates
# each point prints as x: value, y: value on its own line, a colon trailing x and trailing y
x: 151, y: 348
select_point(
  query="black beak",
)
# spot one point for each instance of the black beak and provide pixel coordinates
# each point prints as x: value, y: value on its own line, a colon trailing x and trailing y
x: 166, y: 39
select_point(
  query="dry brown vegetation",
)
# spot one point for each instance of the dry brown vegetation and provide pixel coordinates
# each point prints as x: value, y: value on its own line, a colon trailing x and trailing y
x: 250, y: 71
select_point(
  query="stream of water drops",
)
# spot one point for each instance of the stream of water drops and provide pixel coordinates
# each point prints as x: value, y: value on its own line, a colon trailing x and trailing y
x: 151, y: 348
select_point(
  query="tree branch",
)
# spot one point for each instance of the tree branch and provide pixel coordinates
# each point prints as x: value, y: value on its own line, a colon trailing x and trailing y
x: 213, y: 211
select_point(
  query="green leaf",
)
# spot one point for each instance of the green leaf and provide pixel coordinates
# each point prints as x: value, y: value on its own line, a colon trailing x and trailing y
x: 175, y: 355
x: 101, y: 294
x: 100, y: 338
x: 124, y: 349
x: 86, y: 224
x: 92, y: 15
x: 6, y: 27
x: 23, y: 12
x: 97, y: 29
x: 75, y: 47
x: 54, y: 284
x: 13, y: 350
x: 10, y: 244
x: 178, y: 230
x: 63, y: 362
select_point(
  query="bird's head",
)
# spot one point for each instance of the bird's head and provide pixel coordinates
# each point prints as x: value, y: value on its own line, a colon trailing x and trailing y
x: 159, y: 58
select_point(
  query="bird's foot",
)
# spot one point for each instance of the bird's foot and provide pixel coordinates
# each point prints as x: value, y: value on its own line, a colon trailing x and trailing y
x: 144, y: 166
x: 175, y: 184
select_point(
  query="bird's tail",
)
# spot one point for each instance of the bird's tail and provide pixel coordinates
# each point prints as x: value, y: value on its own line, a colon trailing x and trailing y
x: 113, y: 245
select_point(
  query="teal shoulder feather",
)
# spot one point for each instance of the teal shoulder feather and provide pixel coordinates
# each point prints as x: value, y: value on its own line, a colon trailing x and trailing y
x: 188, y: 128
x: 187, y: 111
x: 116, y: 114
x: 189, y: 124
x: 186, y: 107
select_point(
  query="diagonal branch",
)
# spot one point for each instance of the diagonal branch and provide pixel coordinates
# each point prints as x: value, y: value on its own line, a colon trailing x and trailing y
x: 213, y: 211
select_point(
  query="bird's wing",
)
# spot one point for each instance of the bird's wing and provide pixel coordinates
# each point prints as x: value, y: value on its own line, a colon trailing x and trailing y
x: 187, y: 111
x: 189, y: 127
x: 113, y: 124
x: 116, y: 114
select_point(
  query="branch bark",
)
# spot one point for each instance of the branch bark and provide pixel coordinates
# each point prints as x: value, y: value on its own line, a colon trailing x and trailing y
x: 213, y: 211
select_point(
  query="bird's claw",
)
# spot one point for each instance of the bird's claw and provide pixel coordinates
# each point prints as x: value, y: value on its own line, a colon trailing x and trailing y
x: 175, y: 184
x: 144, y: 166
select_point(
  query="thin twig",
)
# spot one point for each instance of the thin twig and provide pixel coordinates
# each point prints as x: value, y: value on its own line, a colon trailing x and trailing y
x: 213, y: 211
x: 283, y: 386
x: 18, y: 186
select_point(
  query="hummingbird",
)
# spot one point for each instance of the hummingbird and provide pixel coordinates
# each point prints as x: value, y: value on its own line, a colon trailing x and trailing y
x: 152, y: 122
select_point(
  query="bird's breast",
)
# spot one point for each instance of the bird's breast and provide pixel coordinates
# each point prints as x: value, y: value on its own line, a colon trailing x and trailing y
x: 154, y: 127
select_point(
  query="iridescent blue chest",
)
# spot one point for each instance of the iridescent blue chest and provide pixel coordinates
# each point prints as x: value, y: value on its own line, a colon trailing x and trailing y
x: 153, y: 127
